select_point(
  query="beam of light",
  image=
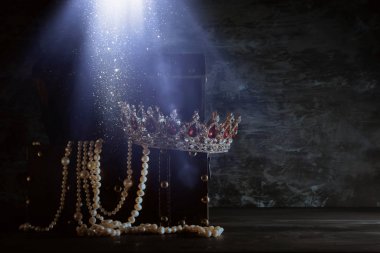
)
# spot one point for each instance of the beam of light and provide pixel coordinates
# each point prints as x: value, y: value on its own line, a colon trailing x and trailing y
x: 115, y: 28
x: 114, y: 13
x: 109, y: 41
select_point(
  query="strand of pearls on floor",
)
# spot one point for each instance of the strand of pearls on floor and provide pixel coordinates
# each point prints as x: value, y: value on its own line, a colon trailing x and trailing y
x: 88, y: 170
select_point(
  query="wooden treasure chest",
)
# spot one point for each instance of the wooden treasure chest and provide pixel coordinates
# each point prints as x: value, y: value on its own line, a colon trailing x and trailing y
x: 177, y: 185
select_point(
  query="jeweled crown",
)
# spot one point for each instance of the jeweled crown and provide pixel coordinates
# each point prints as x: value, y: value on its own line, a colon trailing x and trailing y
x: 152, y: 128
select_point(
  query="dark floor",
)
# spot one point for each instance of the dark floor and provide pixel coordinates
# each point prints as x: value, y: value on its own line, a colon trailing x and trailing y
x: 285, y: 230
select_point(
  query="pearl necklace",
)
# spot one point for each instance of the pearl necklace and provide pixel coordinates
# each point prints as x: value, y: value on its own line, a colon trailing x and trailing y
x: 88, y: 177
x: 127, y: 183
x: 65, y: 161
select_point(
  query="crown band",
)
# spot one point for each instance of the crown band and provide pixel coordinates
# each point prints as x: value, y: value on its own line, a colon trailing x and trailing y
x: 153, y: 129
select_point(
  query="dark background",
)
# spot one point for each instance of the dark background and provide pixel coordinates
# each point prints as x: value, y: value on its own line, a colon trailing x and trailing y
x: 304, y: 75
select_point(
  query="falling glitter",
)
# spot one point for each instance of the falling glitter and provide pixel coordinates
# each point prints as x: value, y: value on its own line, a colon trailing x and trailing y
x: 112, y: 36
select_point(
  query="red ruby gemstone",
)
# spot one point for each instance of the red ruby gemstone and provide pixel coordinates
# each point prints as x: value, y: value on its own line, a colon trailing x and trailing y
x: 192, y: 132
x: 226, y: 132
x: 212, y: 132
x: 234, y: 132
x: 172, y: 128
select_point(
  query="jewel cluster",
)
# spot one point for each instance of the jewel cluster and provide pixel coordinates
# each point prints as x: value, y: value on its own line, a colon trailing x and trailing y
x: 152, y: 128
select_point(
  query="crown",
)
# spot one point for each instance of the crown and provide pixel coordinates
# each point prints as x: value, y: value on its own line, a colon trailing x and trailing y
x: 152, y: 128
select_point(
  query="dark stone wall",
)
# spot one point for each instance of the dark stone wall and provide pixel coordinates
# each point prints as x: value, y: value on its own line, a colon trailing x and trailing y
x: 304, y: 75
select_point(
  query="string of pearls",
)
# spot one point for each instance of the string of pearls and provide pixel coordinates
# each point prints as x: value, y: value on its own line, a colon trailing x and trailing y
x: 127, y: 184
x: 88, y: 176
x: 65, y: 161
x: 110, y: 227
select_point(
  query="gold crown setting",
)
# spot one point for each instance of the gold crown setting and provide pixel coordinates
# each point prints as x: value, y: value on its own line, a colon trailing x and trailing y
x: 153, y: 129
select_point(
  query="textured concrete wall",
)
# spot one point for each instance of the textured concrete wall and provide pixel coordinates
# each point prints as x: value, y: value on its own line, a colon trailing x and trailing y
x: 305, y: 77
x: 303, y: 74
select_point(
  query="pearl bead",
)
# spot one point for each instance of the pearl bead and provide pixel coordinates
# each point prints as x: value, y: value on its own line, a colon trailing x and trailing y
x: 138, y: 207
x: 135, y: 213
x: 146, y: 151
x: 99, y: 229
x: 65, y: 161
x: 127, y: 183
x: 140, y: 193
x: 131, y: 219
x: 139, y: 200
x: 78, y: 216
x: 142, y: 186
x: 143, y: 179
x: 145, y: 166
x: 145, y: 159
x: 84, y: 174
x: 92, y: 220
x: 161, y: 230
x: 144, y: 172
x: 91, y: 165
x: 98, y: 146
x: 106, y: 222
